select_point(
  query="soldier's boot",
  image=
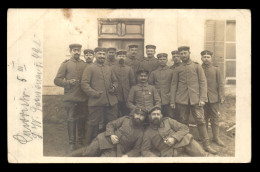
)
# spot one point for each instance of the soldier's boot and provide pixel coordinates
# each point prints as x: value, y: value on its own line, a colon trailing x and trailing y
x: 207, y: 127
x: 72, y: 134
x: 216, y: 139
x: 205, y: 139
x: 81, y: 132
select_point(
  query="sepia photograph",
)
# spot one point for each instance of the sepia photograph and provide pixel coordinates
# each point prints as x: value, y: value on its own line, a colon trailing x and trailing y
x: 129, y: 85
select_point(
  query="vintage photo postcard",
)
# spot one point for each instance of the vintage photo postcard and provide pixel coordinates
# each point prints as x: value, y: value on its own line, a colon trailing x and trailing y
x: 129, y: 85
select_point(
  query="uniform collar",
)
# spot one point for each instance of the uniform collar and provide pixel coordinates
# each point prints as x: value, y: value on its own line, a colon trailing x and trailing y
x: 143, y: 85
x: 132, y: 57
x: 111, y: 61
x: 206, y: 65
x: 150, y: 59
x: 175, y: 65
x: 121, y: 65
x: 74, y: 60
x: 98, y: 64
x: 163, y: 68
x: 189, y: 62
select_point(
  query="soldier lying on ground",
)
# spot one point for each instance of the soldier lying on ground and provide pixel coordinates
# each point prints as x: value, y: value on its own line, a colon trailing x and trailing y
x: 122, y: 138
x: 165, y: 137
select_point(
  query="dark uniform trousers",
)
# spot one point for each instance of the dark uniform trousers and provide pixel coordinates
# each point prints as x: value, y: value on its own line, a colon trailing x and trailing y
x: 169, y: 112
x: 123, y: 109
x: 76, y: 116
x: 196, y: 111
x: 211, y: 111
x: 96, y: 114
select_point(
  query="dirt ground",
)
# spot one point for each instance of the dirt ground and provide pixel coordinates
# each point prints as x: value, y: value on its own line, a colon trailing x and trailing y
x: 55, y: 136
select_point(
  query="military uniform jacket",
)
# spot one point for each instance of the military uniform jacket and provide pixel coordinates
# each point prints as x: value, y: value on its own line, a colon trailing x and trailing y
x: 161, y: 78
x: 126, y: 79
x: 111, y: 63
x: 215, y: 83
x: 153, y: 143
x: 189, y: 83
x: 134, y: 63
x: 174, y: 66
x: 149, y: 64
x: 143, y: 95
x: 71, y: 69
x: 130, y: 136
x: 99, y: 77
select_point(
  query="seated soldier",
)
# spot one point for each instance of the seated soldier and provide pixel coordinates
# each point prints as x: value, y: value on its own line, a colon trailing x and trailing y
x: 165, y: 137
x: 143, y: 94
x: 122, y: 138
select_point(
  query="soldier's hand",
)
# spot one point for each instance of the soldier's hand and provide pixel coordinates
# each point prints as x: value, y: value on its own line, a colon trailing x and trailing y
x: 222, y: 100
x: 124, y: 155
x: 172, y: 106
x: 73, y: 81
x: 201, y: 103
x: 170, y: 141
x: 98, y: 94
x: 114, y: 139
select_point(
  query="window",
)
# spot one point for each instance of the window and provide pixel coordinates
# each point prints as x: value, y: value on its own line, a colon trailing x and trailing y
x: 220, y: 38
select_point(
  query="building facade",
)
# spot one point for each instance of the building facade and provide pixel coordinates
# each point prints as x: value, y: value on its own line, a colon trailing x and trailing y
x: 167, y: 29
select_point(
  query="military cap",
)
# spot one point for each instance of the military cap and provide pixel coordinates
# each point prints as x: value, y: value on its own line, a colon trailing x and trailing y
x: 121, y: 52
x: 175, y: 52
x: 184, y: 48
x: 140, y: 110
x: 111, y: 48
x: 142, y: 70
x: 206, y: 52
x: 162, y: 55
x: 154, y: 109
x: 100, y: 49
x: 88, y: 51
x: 75, y: 46
x: 150, y: 46
x: 133, y: 46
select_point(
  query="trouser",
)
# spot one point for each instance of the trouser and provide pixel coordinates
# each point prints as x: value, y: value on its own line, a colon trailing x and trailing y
x: 167, y: 111
x: 76, y: 113
x: 123, y: 109
x: 198, y: 115
x: 212, y: 113
x: 194, y: 149
x: 93, y: 150
x: 109, y: 113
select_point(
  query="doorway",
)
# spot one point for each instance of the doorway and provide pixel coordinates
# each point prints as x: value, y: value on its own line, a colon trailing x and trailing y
x: 119, y: 33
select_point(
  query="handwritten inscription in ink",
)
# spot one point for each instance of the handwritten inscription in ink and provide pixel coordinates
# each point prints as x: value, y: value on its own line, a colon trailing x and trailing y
x: 31, y: 99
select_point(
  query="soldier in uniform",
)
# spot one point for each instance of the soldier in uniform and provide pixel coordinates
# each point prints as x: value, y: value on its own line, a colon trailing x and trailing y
x: 122, y: 138
x: 165, y: 137
x: 126, y: 79
x: 189, y: 92
x: 69, y: 77
x: 88, y: 56
x: 176, y: 58
x: 132, y: 59
x: 149, y: 63
x: 161, y: 78
x: 143, y: 94
x: 215, y: 92
x: 99, y: 83
x: 111, y: 57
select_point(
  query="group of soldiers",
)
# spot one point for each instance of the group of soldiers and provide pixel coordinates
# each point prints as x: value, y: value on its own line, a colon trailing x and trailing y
x: 123, y: 105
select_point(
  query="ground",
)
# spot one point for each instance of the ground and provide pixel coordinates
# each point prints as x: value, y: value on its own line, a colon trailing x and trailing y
x: 55, y: 136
